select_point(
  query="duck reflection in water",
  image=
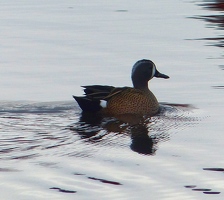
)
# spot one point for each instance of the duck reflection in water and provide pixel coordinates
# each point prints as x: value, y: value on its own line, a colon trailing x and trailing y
x: 145, y: 132
x: 90, y: 126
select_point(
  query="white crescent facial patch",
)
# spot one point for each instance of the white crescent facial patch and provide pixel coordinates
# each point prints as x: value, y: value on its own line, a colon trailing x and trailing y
x: 153, y: 71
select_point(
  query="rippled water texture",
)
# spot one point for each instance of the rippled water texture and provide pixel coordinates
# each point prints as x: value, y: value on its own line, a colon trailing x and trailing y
x: 86, y: 154
x: 49, y: 149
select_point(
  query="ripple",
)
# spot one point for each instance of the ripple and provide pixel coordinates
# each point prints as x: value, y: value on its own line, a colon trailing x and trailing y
x: 34, y: 108
x: 214, y: 169
x: 105, y: 181
x: 63, y: 190
x: 8, y: 170
x: 28, y: 128
x: 145, y: 132
x: 28, y: 134
x: 218, y: 87
x: 215, y: 21
x: 203, y: 190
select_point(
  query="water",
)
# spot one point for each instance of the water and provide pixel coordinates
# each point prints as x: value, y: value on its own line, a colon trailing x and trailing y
x: 49, y: 150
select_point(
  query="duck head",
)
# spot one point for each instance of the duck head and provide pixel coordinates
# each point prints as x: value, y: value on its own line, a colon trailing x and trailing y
x: 142, y: 72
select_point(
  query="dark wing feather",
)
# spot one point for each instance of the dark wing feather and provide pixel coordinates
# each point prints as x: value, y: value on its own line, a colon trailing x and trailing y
x: 97, y: 88
x: 88, y: 105
x: 103, y: 92
x: 97, y: 91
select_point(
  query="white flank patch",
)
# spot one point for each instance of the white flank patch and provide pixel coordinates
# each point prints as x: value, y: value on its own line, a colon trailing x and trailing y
x: 103, y: 103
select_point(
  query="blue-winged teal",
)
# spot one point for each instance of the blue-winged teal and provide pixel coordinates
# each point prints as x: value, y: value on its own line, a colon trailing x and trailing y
x: 124, y: 100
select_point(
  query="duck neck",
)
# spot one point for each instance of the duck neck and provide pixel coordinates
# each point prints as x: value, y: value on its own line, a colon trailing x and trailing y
x: 141, y: 85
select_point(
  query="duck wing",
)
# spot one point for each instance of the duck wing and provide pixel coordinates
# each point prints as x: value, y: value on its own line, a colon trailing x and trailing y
x: 116, y: 91
x: 103, y: 92
x: 90, y: 102
x: 97, y: 91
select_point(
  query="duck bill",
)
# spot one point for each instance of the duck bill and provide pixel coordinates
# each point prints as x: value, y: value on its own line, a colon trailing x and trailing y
x: 160, y: 75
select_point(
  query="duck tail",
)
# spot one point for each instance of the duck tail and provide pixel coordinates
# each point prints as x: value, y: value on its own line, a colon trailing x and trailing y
x: 87, y: 104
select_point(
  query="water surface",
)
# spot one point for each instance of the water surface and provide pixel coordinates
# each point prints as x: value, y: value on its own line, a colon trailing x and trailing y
x: 50, y: 150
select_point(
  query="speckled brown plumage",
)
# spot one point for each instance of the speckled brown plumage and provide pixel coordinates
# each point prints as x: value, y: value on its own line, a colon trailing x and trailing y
x: 132, y: 101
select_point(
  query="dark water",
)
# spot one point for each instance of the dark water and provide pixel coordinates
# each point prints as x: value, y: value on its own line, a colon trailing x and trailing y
x: 50, y: 150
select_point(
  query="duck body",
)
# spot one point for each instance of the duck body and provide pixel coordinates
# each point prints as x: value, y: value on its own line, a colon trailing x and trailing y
x: 132, y: 101
x: 124, y: 100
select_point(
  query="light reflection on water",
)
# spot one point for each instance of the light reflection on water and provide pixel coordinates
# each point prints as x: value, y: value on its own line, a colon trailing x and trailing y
x: 35, y: 133
x: 214, y: 20
x: 87, y: 151
x: 29, y: 128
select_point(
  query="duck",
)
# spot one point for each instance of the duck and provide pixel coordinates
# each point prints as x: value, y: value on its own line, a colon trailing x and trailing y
x: 115, y: 101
